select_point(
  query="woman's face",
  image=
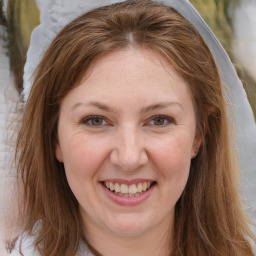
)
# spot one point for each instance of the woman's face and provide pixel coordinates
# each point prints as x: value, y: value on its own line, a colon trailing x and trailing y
x: 127, y: 134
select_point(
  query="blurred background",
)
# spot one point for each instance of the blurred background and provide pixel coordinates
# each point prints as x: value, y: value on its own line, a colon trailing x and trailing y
x: 233, y: 22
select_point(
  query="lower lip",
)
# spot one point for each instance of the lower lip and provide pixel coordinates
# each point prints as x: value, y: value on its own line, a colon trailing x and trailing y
x: 129, y: 201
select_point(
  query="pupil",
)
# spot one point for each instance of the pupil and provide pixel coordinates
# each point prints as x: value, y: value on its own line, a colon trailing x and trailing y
x: 159, y: 121
x: 96, y: 121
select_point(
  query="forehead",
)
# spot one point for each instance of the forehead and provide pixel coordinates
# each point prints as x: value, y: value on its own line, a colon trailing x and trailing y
x: 129, y: 74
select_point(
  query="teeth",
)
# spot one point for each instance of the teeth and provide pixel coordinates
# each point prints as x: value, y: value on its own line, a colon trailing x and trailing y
x: 144, y: 186
x: 117, y: 188
x: 132, y: 189
x: 139, y: 188
x: 111, y: 186
x: 124, y: 189
x: 128, y: 191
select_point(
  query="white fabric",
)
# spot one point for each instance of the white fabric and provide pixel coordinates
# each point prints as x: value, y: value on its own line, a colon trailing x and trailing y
x: 27, y: 247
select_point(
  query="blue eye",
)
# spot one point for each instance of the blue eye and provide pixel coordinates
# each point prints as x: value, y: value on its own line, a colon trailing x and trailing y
x: 95, y: 121
x: 161, y: 121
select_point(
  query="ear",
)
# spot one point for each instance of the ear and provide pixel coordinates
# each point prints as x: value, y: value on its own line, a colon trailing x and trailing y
x: 58, y: 153
x: 196, y: 144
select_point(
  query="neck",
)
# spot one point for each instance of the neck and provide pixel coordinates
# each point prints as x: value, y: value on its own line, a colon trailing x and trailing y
x: 155, y: 242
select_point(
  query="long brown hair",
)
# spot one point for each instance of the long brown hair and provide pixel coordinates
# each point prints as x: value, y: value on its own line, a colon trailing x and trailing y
x: 209, y: 219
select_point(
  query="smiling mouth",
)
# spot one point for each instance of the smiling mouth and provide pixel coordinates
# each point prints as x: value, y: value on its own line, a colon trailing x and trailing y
x: 125, y: 190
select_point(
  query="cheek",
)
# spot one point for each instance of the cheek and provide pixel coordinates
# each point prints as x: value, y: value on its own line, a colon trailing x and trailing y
x: 82, y: 160
x: 172, y: 160
x: 82, y: 157
x: 173, y: 154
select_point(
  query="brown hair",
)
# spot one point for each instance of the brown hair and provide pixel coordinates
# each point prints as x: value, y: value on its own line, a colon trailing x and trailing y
x: 209, y: 219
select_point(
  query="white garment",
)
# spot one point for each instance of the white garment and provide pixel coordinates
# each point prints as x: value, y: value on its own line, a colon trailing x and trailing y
x: 26, y: 244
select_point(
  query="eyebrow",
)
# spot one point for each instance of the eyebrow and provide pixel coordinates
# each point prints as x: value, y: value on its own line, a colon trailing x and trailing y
x: 106, y: 108
x: 94, y: 104
x: 161, y: 106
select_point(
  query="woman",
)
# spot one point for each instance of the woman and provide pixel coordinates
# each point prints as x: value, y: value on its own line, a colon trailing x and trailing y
x: 124, y: 145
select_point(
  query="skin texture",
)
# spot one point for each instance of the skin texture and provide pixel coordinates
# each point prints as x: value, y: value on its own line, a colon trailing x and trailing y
x: 129, y: 89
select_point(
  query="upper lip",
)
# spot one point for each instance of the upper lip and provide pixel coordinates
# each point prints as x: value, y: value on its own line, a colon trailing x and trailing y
x: 127, y: 182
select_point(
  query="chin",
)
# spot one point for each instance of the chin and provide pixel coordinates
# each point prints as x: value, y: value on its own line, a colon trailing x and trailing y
x: 129, y: 225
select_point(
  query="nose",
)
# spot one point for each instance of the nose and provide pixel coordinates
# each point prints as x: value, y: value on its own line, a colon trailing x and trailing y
x: 129, y: 152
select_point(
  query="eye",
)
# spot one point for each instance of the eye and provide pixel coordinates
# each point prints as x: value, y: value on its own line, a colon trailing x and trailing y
x: 161, y: 121
x: 94, y: 121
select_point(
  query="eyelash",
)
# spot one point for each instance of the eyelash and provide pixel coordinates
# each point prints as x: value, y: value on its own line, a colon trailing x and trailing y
x: 167, y: 121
